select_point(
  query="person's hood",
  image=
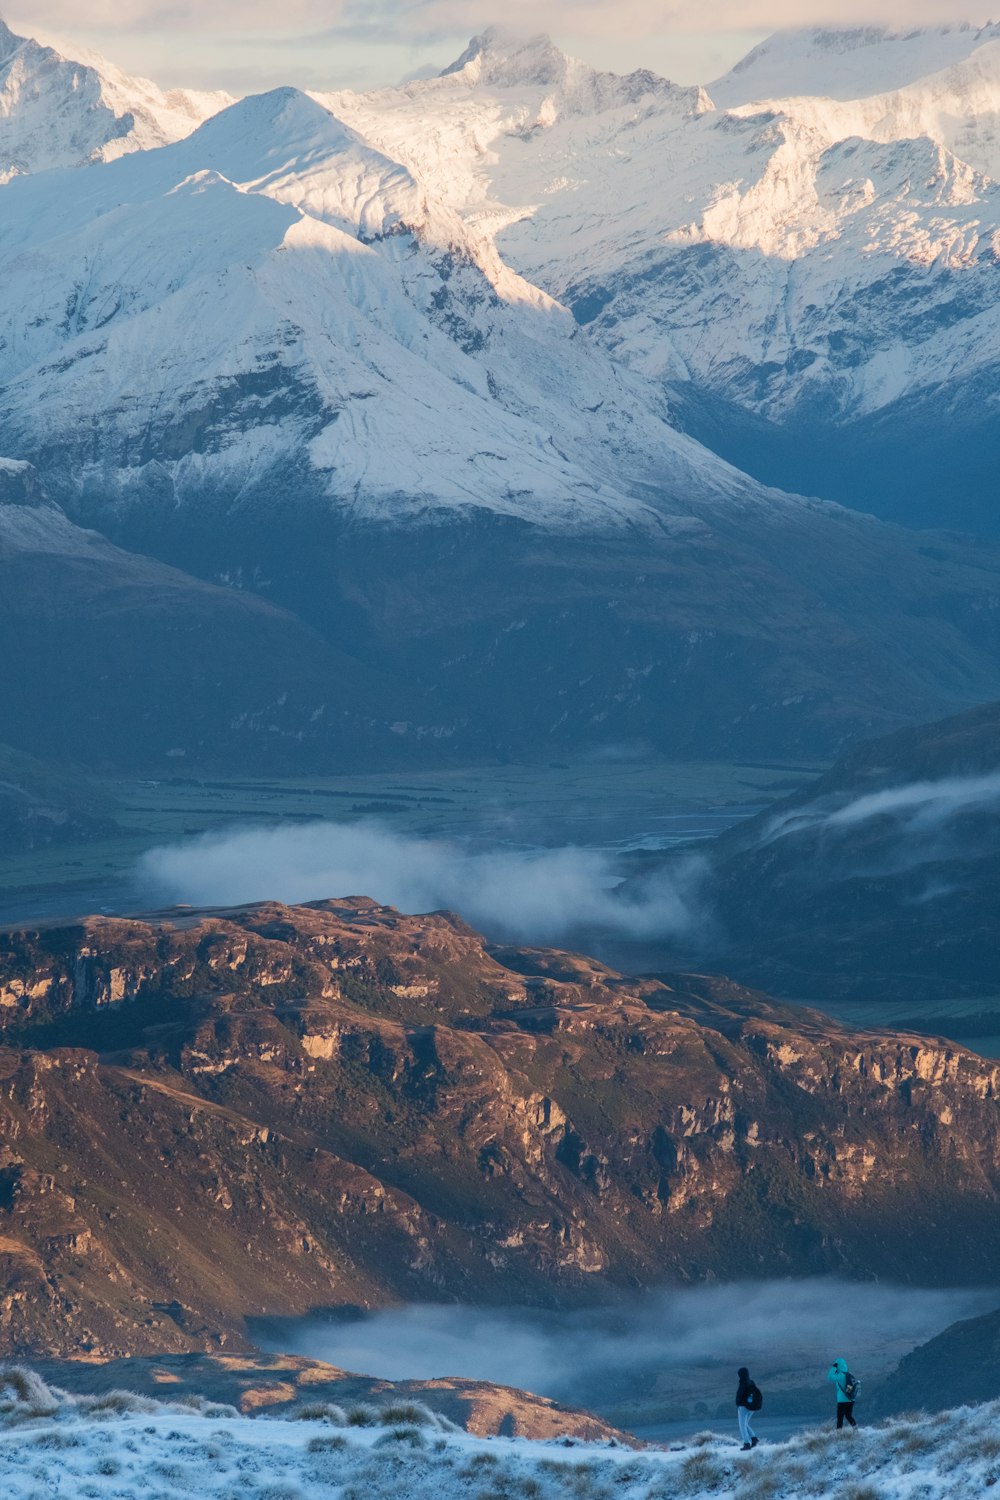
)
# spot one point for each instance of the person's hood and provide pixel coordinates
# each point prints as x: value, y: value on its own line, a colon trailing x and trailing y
x: 841, y: 1365
x: 743, y: 1373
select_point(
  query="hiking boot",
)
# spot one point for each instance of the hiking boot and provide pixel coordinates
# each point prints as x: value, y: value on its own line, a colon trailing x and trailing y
x: 746, y: 1447
x: 754, y: 1442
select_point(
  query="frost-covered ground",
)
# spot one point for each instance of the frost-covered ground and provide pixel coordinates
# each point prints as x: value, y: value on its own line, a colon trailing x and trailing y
x: 122, y: 1446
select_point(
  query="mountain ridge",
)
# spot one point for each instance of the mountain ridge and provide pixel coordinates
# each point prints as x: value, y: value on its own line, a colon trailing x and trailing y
x: 58, y: 109
x: 794, y: 278
x: 341, y: 1104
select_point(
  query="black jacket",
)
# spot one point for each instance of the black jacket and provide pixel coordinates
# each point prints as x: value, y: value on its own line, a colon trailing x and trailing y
x: 745, y: 1387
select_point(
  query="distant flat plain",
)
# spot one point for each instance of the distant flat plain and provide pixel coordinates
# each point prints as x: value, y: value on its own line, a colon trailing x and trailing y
x: 628, y: 805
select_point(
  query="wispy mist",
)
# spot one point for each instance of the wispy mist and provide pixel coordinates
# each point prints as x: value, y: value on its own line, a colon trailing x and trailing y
x: 768, y: 1325
x: 923, y: 803
x: 916, y: 811
x: 537, y: 896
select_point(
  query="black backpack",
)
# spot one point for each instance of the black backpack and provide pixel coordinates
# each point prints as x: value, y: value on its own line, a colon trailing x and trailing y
x: 851, y: 1386
x: 755, y: 1400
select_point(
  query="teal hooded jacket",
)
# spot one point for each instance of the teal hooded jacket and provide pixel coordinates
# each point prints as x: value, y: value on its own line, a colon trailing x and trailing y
x: 838, y: 1374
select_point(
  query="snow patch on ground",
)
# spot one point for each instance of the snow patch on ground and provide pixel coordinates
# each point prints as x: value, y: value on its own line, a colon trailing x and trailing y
x: 130, y: 1448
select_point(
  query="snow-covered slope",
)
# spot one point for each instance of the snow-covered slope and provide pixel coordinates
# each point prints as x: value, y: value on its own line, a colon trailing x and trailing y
x: 820, y: 253
x: 846, y: 63
x: 275, y: 350
x: 274, y: 294
x: 124, y: 1447
x: 65, y: 110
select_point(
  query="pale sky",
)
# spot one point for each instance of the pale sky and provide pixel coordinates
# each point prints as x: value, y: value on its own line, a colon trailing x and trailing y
x: 246, y: 45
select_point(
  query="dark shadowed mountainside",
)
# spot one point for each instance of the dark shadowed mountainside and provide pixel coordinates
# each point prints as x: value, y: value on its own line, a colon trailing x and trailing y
x: 959, y: 1366
x: 878, y: 881
x: 114, y: 660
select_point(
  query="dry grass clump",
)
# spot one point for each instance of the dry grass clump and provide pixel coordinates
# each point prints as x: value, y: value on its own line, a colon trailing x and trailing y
x: 909, y: 1439
x: 321, y: 1411
x: 412, y: 1437
x: 53, y: 1439
x: 332, y: 1444
x: 702, y: 1471
x: 217, y: 1410
x: 862, y: 1492
x: 117, y: 1404
x: 25, y: 1394
x: 415, y: 1413
x: 363, y: 1416
x: 757, y: 1483
x: 581, y: 1481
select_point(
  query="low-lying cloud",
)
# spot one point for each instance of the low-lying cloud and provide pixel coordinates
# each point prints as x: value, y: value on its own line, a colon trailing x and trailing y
x: 543, y: 895
x: 922, y: 803
x: 918, y: 808
x: 772, y: 1326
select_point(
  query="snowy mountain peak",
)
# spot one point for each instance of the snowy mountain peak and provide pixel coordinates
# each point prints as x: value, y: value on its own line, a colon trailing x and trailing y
x: 846, y: 62
x: 501, y: 59
x: 507, y: 59
x: 62, y: 108
x: 9, y: 41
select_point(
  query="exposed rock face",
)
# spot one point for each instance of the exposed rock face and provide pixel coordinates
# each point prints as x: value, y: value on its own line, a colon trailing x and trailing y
x: 212, y: 1116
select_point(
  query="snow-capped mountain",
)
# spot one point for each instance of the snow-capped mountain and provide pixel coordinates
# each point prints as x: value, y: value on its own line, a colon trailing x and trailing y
x: 804, y: 256
x: 66, y: 110
x: 272, y: 292
x: 289, y: 352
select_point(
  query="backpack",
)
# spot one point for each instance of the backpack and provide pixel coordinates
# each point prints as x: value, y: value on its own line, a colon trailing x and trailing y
x: 755, y: 1400
x: 851, y: 1386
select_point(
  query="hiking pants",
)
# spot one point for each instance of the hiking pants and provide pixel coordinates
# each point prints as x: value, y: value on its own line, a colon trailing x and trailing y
x: 845, y: 1413
x: 746, y: 1430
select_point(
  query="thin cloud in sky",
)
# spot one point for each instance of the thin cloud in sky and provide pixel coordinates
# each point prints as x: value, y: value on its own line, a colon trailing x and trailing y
x: 422, y: 18
x: 246, y: 45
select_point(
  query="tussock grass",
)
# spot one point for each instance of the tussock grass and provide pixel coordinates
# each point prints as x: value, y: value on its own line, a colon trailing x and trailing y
x: 414, y: 1413
x: 363, y: 1416
x: 332, y: 1444
x: 25, y: 1394
x: 320, y: 1411
x: 701, y: 1471
x: 411, y: 1436
x: 117, y: 1404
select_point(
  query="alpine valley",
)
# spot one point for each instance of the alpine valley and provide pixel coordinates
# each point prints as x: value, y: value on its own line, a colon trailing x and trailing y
x: 570, y: 498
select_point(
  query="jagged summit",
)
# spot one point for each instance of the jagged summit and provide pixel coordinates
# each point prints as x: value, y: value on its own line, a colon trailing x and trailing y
x: 66, y: 107
x: 503, y: 56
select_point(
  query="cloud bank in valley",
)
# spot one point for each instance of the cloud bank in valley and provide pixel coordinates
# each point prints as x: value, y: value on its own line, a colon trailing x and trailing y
x: 543, y: 895
x: 772, y: 1325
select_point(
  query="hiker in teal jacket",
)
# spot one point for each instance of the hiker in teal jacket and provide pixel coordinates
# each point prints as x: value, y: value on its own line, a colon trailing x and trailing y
x: 839, y: 1374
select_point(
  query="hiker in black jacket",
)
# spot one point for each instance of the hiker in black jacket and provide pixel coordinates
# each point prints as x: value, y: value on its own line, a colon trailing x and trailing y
x: 748, y: 1400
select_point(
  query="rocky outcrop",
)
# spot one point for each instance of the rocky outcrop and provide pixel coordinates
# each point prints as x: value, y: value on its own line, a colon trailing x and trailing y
x: 211, y: 1117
